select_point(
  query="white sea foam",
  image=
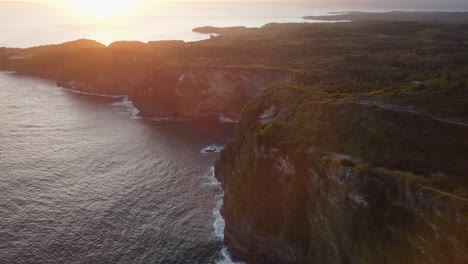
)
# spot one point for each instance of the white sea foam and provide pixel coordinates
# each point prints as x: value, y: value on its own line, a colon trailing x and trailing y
x: 213, y: 182
x: 224, y: 119
x: 128, y: 105
x: 125, y: 102
x: 168, y: 119
x: 226, y: 258
x: 219, y: 223
x: 212, y: 149
x: 90, y: 94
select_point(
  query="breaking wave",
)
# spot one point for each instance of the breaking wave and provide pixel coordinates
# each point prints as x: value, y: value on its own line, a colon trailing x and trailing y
x: 219, y: 223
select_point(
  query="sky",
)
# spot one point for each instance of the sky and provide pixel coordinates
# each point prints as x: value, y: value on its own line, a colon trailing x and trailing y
x: 110, y: 20
x: 345, y: 2
x: 459, y: 5
x: 401, y: 3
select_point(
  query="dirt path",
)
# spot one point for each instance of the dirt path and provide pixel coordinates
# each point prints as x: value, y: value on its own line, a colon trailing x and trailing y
x: 410, y: 111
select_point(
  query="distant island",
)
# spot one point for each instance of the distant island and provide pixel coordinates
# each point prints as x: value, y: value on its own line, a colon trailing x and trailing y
x: 219, y: 30
x: 441, y: 17
x: 351, y: 145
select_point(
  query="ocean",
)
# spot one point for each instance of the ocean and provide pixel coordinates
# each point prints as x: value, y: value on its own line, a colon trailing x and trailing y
x: 83, y: 179
x: 32, y: 24
x: 26, y: 24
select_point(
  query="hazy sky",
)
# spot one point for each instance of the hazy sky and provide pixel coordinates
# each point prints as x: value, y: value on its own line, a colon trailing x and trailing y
x: 459, y: 5
x: 408, y: 4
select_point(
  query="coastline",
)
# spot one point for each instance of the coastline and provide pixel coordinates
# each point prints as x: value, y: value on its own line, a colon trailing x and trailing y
x: 295, y: 104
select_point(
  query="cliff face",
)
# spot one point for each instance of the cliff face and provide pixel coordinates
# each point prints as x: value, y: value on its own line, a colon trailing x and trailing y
x: 184, y: 92
x: 194, y: 92
x: 146, y: 73
x: 321, y: 181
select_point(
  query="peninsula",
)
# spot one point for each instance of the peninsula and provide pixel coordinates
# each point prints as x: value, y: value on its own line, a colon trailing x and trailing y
x: 394, y: 16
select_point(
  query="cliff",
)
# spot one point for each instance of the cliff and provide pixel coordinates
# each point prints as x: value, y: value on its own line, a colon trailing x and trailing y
x: 362, y: 158
x: 162, y: 78
x: 311, y: 180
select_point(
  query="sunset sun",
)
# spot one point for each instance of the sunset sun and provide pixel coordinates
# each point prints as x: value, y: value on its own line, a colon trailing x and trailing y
x: 102, y: 9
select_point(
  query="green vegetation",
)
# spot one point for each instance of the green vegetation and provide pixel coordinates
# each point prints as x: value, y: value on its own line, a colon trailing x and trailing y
x: 374, y: 126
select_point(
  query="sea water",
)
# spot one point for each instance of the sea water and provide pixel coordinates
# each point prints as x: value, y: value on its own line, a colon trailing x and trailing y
x: 84, y: 181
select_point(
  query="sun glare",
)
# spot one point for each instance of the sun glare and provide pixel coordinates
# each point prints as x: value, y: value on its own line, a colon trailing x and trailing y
x: 101, y: 9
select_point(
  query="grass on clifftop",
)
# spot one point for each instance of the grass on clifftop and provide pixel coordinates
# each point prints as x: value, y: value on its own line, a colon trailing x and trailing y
x: 420, y: 67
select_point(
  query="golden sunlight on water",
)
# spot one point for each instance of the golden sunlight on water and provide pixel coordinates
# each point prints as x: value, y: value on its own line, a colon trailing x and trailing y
x: 101, y: 9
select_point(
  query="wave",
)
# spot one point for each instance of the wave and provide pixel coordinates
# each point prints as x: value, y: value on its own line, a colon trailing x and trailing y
x: 226, y: 258
x: 221, y: 118
x: 90, y: 94
x: 7, y: 72
x: 212, y: 149
x: 224, y: 119
x: 219, y: 223
x: 128, y: 105
x: 168, y: 119
x: 125, y: 102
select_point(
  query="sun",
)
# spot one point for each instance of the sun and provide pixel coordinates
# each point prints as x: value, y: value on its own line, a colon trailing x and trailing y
x: 101, y: 9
